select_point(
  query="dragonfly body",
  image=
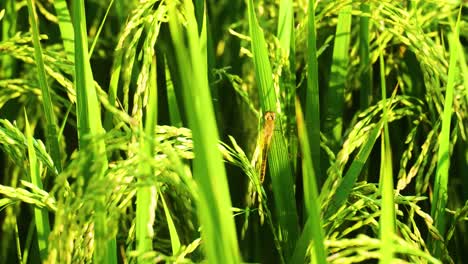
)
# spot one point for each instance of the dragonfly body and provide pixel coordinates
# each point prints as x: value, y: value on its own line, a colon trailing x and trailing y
x: 264, y: 141
x: 268, y: 130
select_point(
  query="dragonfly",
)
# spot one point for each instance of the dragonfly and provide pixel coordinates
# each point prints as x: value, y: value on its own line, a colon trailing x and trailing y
x: 256, y: 193
x: 268, y: 130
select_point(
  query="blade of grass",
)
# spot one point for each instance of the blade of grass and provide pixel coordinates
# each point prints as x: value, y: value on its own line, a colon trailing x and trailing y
x: 439, y: 200
x: 387, y: 219
x: 66, y: 28
x: 263, y: 72
x: 280, y: 167
x: 312, y: 104
x: 175, y: 240
x: 9, y: 17
x: 41, y: 216
x: 335, y: 94
x: 348, y: 181
x: 287, y: 80
x: 341, y: 195
x: 174, y: 114
x: 285, y: 24
x: 101, y: 25
x: 51, y: 123
x: 206, y: 42
x: 17, y: 243
x: 28, y: 243
x: 365, y: 90
x: 89, y: 124
x: 214, y: 203
x: 310, y: 195
x: 113, y: 85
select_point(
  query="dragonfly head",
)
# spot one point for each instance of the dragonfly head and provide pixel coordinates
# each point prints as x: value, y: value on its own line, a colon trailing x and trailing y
x: 269, y: 115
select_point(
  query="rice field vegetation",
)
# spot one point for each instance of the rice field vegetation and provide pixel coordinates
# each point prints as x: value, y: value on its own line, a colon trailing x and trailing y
x: 248, y: 131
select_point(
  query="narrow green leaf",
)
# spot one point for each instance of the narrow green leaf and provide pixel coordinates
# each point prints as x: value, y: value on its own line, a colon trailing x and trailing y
x: 365, y: 90
x: 51, y: 123
x: 113, y: 86
x: 348, y: 181
x: 287, y: 79
x: 279, y: 164
x: 311, y: 199
x: 175, y: 240
x: 98, y: 33
x: 214, y: 203
x: 335, y: 95
x: 8, y: 19
x: 174, y: 113
x: 87, y: 103
x: 285, y: 24
x: 89, y: 125
x: 66, y: 27
x: 439, y: 200
x: 41, y: 216
x: 387, y: 219
x: 263, y: 72
x: 312, y: 104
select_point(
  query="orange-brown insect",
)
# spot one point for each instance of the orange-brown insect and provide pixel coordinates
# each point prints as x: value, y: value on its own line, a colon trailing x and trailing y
x: 268, y: 130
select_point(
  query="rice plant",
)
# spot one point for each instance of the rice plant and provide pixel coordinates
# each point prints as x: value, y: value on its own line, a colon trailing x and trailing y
x: 252, y: 131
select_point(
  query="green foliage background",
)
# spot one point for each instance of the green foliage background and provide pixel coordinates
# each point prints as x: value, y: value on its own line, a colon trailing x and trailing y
x: 129, y: 131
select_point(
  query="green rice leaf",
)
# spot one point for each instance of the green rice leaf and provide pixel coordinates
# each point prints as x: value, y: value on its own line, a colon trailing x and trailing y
x: 439, y: 200
x: 214, y: 203
x: 51, y: 123
x: 315, y: 234
x: 41, y: 216
x: 279, y: 164
x: 312, y: 104
x: 333, y: 126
